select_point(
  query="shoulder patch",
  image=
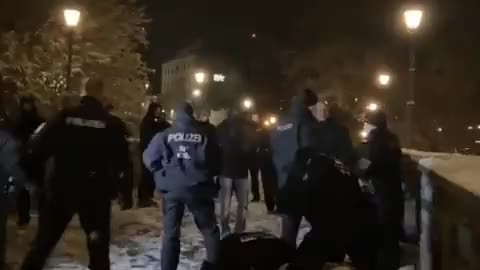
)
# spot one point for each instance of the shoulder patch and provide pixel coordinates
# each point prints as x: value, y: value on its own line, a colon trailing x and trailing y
x: 285, y: 127
x: 80, y: 122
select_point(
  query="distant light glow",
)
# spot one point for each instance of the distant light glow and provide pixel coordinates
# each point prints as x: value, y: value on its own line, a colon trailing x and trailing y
x: 218, y: 78
x: 266, y: 123
x: 384, y: 79
x: 200, y: 77
x: 478, y: 127
x: 439, y: 129
x: 147, y: 86
x: 373, y: 107
x: 355, y: 99
x: 253, y: 35
x: 477, y: 142
x: 273, y: 120
x: 363, y: 134
x: 72, y: 17
x: 470, y: 127
x: 247, y: 103
x: 197, y: 93
x: 413, y: 18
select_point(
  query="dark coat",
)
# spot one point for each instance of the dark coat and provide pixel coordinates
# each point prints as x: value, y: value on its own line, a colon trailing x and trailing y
x: 295, y: 136
x: 184, y: 157
x: 9, y: 160
x: 82, y: 142
x: 150, y: 126
x: 385, y: 155
x: 337, y: 143
x: 234, y: 137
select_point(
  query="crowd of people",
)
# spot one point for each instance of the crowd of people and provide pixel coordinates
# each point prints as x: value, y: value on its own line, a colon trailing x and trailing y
x: 79, y: 161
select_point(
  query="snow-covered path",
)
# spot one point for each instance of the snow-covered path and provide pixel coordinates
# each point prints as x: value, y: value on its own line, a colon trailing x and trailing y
x: 136, y: 241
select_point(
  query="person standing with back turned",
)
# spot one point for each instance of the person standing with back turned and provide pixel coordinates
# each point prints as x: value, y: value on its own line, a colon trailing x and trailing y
x: 82, y: 142
x: 292, y: 142
x: 154, y: 122
x: 185, y: 159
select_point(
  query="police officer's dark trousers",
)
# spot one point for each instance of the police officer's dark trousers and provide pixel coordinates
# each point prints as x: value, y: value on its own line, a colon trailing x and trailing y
x: 203, y: 210
x: 269, y: 183
x: 290, y: 227
x: 55, y: 215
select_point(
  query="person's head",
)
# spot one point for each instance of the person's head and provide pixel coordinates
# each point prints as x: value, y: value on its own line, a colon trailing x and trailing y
x: 308, y: 97
x: 184, y: 112
x: 155, y: 111
x: 376, y: 120
x: 95, y: 88
x: 28, y: 104
x: 203, y: 115
x: 109, y: 107
x: 234, y: 112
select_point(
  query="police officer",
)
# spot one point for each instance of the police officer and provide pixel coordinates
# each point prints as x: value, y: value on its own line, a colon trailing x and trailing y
x: 184, y: 160
x: 81, y: 140
x: 292, y: 140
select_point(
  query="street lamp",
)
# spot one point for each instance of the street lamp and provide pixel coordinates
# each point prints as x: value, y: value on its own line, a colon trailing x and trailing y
x: 373, y: 107
x: 384, y: 79
x: 200, y: 77
x: 247, y: 103
x: 197, y: 93
x: 273, y: 120
x: 413, y: 19
x: 72, y: 18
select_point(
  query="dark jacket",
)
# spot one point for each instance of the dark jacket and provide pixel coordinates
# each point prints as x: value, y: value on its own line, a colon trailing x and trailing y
x: 234, y: 137
x: 292, y: 140
x: 123, y: 150
x: 150, y: 126
x: 9, y: 160
x: 183, y: 157
x: 337, y: 144
x: 29, y: 121
x: 82, y: 142
x: 385, y: 155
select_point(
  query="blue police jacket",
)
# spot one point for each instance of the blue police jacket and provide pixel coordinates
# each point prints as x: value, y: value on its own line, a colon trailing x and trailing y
x: 184, y: 156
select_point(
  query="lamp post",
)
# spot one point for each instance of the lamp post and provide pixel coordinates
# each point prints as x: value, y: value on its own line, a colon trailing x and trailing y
x: 413, y: 19
x: 72, y: 18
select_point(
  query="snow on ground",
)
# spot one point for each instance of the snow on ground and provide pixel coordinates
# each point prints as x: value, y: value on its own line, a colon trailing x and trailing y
x: 136, y: 240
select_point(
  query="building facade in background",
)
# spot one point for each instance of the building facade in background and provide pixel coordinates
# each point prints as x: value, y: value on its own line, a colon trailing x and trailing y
x: 205, y: 79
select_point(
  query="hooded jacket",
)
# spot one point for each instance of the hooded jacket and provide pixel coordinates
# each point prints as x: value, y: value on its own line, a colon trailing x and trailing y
x: 184, y: 156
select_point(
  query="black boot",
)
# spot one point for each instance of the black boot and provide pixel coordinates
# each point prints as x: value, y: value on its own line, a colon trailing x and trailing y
x: 209, y: 266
